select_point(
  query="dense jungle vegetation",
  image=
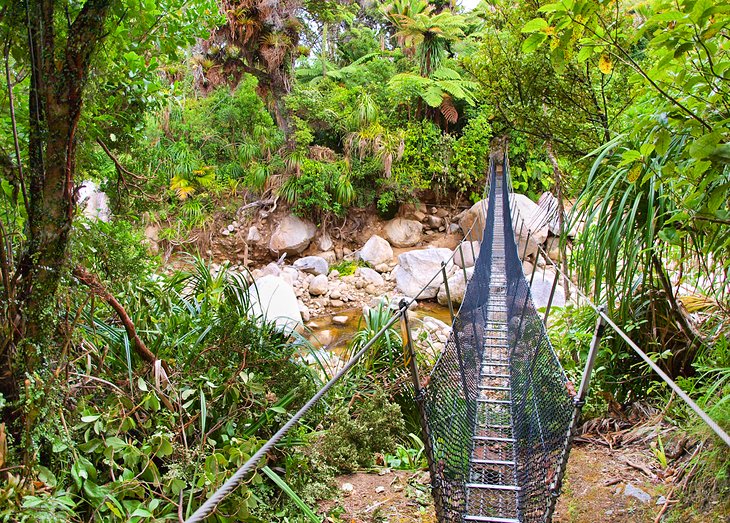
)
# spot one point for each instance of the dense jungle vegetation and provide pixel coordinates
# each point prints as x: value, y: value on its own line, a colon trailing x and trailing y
x: 131, y: 388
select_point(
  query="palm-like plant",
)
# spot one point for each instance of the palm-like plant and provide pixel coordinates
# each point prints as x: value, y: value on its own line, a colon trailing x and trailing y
x: 430, y: 35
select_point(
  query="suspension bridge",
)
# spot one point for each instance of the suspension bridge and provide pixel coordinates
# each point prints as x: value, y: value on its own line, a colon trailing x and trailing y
x: 498, y: 414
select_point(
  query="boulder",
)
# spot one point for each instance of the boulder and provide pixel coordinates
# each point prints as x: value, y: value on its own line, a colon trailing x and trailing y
x: 532, y: 222
x: 312, y: 265
x: 401, y: 232
x: 273, y: 299
x: 340, y: 320
x: 469, y: 251
x: 457, y: 287
x: 292, y: 235
x: 370, y: 276
x: 319, y: 285
x: 434, y: 222
x: 416, y: 268
x: 542, y: 283
x: 376, y: 251
x: 472, y: 221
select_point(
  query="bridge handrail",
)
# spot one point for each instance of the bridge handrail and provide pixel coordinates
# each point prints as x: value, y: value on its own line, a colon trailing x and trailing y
x: 669, y: 381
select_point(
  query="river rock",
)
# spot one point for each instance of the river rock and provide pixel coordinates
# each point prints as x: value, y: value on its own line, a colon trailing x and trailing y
x: 290, y: 275
x: 253, y: 234
x: 416, y: 268
x: 292, y: 235
x: 319, y: 285
x: 340, y: 320
x: 325, y: 242
x: 401, y: 232
x: 457, y: 287
x: 541, y: 285
x: 552, y: 247
x: 272, y: 269
x: 376, y: 251
x: 466, y: 249
x: 328, y: 256
x: 434, y: 222
x: 370, y: 276
x: 312, y: 265
x: 273, y: 299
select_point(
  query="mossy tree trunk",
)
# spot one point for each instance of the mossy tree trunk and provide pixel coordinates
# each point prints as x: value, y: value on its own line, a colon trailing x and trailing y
x: 60, y: 59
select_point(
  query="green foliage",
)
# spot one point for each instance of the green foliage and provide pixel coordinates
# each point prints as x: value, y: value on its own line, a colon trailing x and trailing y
x: 319, y: 187
x: 371, y: 425
x: 115, y: 250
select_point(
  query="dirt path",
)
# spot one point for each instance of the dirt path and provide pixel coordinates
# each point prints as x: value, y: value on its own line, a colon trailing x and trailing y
x: 595, y: 491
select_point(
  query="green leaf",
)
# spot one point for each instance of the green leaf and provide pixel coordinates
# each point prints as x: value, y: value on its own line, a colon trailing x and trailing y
x: 311, y: 516
x: 278, y: 410
x: 534, y: 25
x: 662, y: 141
x: 533, y: 42
x: 91, y: 418
x: 142, y: 385
x: 705, y: 145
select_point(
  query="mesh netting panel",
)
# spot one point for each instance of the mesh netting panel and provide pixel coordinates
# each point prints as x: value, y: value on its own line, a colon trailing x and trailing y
x: 541, y: 405
x: 449, y: 401
x: 497, y: 408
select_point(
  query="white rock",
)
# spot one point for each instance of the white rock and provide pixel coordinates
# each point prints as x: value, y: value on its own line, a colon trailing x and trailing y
x: 379, y: 489
x: 383, y: 267
x: 370, y: 276
x: 290, y: 275
x: 416, y: 268
x: 376, y: 251
x: 467, y: 248
x: 253, y: 234
x: 225, y: 232
x: 319, y: 285
x: 347, y: 488
x: 312, y: 264
x: 272, y: 269
x: 454, y: 228
x: 273, y: 299
x: 292, y: 235
x: 325, y: 242
x: 434, y: 324
x: 94, y: 202
x: 457, y: 287
x: 340, y: 320
x: 402, y: 232
x: 541, y: 285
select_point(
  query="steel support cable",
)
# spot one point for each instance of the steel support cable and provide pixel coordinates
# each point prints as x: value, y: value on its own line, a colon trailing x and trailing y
x: 669, y: 381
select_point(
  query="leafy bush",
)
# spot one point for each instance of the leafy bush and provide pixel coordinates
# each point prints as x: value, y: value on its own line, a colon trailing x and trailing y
x: 357, y: 433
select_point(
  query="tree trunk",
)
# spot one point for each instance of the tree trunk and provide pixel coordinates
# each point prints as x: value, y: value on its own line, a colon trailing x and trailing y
x: 58, y: 71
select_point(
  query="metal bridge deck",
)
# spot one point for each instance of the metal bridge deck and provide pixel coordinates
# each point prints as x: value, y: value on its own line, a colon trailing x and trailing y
x: 492, y: 490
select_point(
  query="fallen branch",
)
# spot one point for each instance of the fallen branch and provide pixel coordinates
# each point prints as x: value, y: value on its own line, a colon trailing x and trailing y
x: 97, y: 287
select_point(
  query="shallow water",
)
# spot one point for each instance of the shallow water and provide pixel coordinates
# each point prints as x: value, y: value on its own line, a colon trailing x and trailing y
x: 323, y: 333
